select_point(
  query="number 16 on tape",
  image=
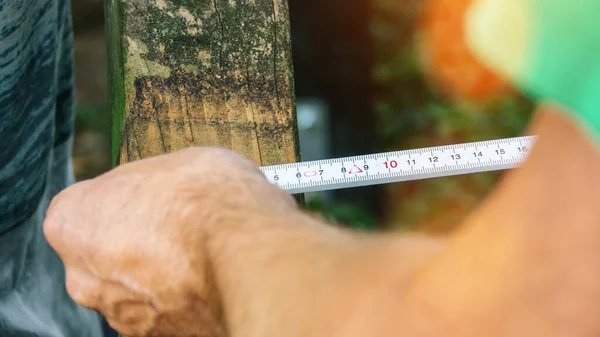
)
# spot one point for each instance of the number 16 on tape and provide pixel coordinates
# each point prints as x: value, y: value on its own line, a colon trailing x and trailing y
x: 398, y: 166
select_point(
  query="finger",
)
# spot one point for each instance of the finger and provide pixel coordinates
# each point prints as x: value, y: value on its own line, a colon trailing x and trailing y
x: 135, y: 319
x: 122, y: 303
x: 128, y: 312
x: 130, y: 330
x: 54, y: 222
x: 62, y: 212
x: 84, y: 288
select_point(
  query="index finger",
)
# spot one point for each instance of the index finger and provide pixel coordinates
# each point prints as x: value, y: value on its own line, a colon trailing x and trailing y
x: 61, y: 226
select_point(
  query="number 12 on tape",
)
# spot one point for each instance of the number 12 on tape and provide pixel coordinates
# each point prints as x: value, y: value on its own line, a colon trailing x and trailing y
x: 398, y: 166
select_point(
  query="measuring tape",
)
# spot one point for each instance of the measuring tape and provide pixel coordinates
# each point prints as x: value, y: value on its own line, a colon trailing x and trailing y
x: 398, y: 166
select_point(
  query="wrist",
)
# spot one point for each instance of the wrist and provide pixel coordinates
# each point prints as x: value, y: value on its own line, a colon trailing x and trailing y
x: 274, y: 273
x: 536, y: 235
x: 299, y: 275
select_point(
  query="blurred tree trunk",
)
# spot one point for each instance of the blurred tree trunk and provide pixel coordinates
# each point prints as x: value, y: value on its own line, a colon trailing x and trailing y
x: 333, y: 58
x: 87, y: 14
x: 212, y: 72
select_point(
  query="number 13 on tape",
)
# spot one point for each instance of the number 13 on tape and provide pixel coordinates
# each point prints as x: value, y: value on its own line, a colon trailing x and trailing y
x: 398, y: 166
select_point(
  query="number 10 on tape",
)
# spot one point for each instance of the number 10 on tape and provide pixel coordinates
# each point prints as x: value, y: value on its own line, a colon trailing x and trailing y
x: 398, y: 166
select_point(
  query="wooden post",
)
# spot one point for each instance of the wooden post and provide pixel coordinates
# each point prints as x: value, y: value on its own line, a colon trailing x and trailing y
x: 201, y: 72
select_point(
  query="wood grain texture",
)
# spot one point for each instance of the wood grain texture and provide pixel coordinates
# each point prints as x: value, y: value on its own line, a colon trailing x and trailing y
x: 201, y: 72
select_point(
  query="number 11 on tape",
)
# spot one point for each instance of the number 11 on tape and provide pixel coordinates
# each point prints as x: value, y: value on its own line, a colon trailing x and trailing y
x: 398, y: 166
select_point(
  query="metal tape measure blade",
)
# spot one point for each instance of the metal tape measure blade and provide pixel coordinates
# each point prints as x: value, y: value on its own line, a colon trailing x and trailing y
x: 398, y: 166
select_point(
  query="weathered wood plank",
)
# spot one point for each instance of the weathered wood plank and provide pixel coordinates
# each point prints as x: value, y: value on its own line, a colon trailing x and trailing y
x: 201, y: 72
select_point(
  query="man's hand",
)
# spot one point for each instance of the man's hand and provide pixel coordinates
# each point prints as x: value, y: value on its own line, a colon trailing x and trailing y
x: 169, y: 246
x: 134, y: 241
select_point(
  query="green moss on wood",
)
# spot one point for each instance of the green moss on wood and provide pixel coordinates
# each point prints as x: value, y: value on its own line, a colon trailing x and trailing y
x: 213, y: 72
x: 116, y: 99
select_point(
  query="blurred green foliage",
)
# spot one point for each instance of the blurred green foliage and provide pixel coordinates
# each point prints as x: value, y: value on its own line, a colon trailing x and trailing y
x: 412, y: 113
x: 92, y: 117
x: 343, y: 213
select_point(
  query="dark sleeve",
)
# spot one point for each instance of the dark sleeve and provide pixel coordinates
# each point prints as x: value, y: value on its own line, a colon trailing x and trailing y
x: 65, y: 114
x: 36, y: 100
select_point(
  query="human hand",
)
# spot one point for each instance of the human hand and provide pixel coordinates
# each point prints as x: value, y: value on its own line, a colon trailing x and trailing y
x: 134, y: 240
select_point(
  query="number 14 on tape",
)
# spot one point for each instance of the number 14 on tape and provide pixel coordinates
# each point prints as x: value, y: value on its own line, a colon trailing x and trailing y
x: 398, y: 166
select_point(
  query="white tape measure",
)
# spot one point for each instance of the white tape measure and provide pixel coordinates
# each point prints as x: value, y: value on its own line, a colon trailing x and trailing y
x: 397, y: 166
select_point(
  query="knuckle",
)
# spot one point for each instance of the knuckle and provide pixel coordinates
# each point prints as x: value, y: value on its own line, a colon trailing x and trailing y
x: 223, y: 155
x: 79, y: 293
x: 64, y: 209
x: 84, y: 288
x: 54, y: 220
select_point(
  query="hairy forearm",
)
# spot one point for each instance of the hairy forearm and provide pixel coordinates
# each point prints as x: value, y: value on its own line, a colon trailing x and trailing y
x: 301, y: 277
x: 293, y: 275
x: 526, y: 262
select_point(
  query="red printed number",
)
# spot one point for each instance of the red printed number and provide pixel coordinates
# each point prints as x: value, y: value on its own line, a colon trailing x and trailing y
x: 391, y: 164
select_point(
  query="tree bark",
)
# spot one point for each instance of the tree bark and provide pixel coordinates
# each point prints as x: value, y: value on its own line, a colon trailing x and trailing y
x: 201, y: 72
